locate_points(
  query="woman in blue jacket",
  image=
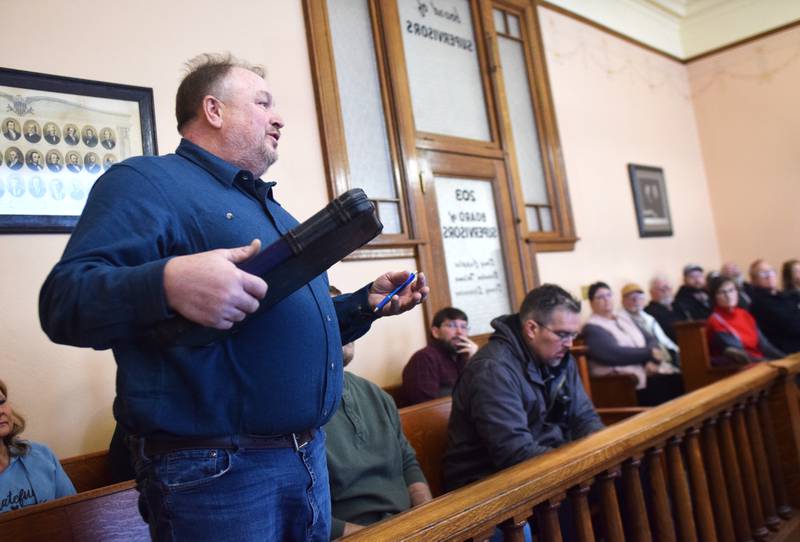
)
(29, 472)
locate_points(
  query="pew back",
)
(696, 358)
(101, 515)
(425, 427)
(721, 463)
(89, 471)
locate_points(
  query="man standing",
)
(692, 302)
(777, 314)
(432, 372)
(520, 396)
(373, 469)
(225, 437)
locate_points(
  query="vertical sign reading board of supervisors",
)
(473, 252)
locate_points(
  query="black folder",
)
(306, 251)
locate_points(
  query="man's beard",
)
(447, 345)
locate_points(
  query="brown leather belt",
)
(151, 446)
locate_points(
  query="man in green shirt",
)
(373, 469)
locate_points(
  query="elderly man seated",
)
(661, 307)
(777, 313)
(692, 301)
(372, 468)
(633, 303)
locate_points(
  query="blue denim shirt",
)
(281, 373)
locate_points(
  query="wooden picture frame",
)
(650, 201)
(57, 136)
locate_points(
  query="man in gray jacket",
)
(520, 396)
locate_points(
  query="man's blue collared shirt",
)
(282, 372)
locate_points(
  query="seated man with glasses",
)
(777, 314)
(521, 395)
(432, 372)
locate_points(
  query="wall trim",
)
(743, 41)
(607, 30)
(616, 34)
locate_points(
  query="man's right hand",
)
(208, 288)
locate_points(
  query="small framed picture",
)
(57, 136)
(650, 200)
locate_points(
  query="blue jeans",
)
(237, 495)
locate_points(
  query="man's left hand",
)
(404, 300)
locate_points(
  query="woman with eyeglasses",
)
(733, 336)
(616, 345)
(29, 472)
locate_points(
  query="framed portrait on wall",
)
(57, 136)
(650, 200)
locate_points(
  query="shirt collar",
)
(223, 171)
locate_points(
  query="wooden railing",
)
(721, 463)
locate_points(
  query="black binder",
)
(306, 251)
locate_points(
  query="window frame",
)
(405, 142)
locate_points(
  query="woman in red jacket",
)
(733, 336)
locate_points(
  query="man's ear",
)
(212, 111)
(529, 328)
(435, 332)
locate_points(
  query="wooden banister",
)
(594, 460)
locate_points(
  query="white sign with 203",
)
(473, 252)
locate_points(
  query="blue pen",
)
(389, 297)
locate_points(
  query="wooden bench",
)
(721, 463)
(609, 391)
(695, 356)
(425, 427)
(101, 515)
(89, 471)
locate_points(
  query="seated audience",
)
(791, 279)
(520, 396)
(372, 469)
(29, 472)
(732, 332)
(633, 303)
(432, 371)
(691, 302)
(616, 345)
(777, 313)
(660, 306)
(731, 271)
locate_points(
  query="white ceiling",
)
(687, 28)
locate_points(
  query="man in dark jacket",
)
(660, 306)
(692, 301)
(777, 314)
(520, 396)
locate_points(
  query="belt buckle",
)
(297, 445)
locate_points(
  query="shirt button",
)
(328, 316)
(325, 412)
(229, 215)
(331, 365)
(212, 453)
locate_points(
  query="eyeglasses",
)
(766, 273)
(726, 291)
(455, 325)
(563, 336)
